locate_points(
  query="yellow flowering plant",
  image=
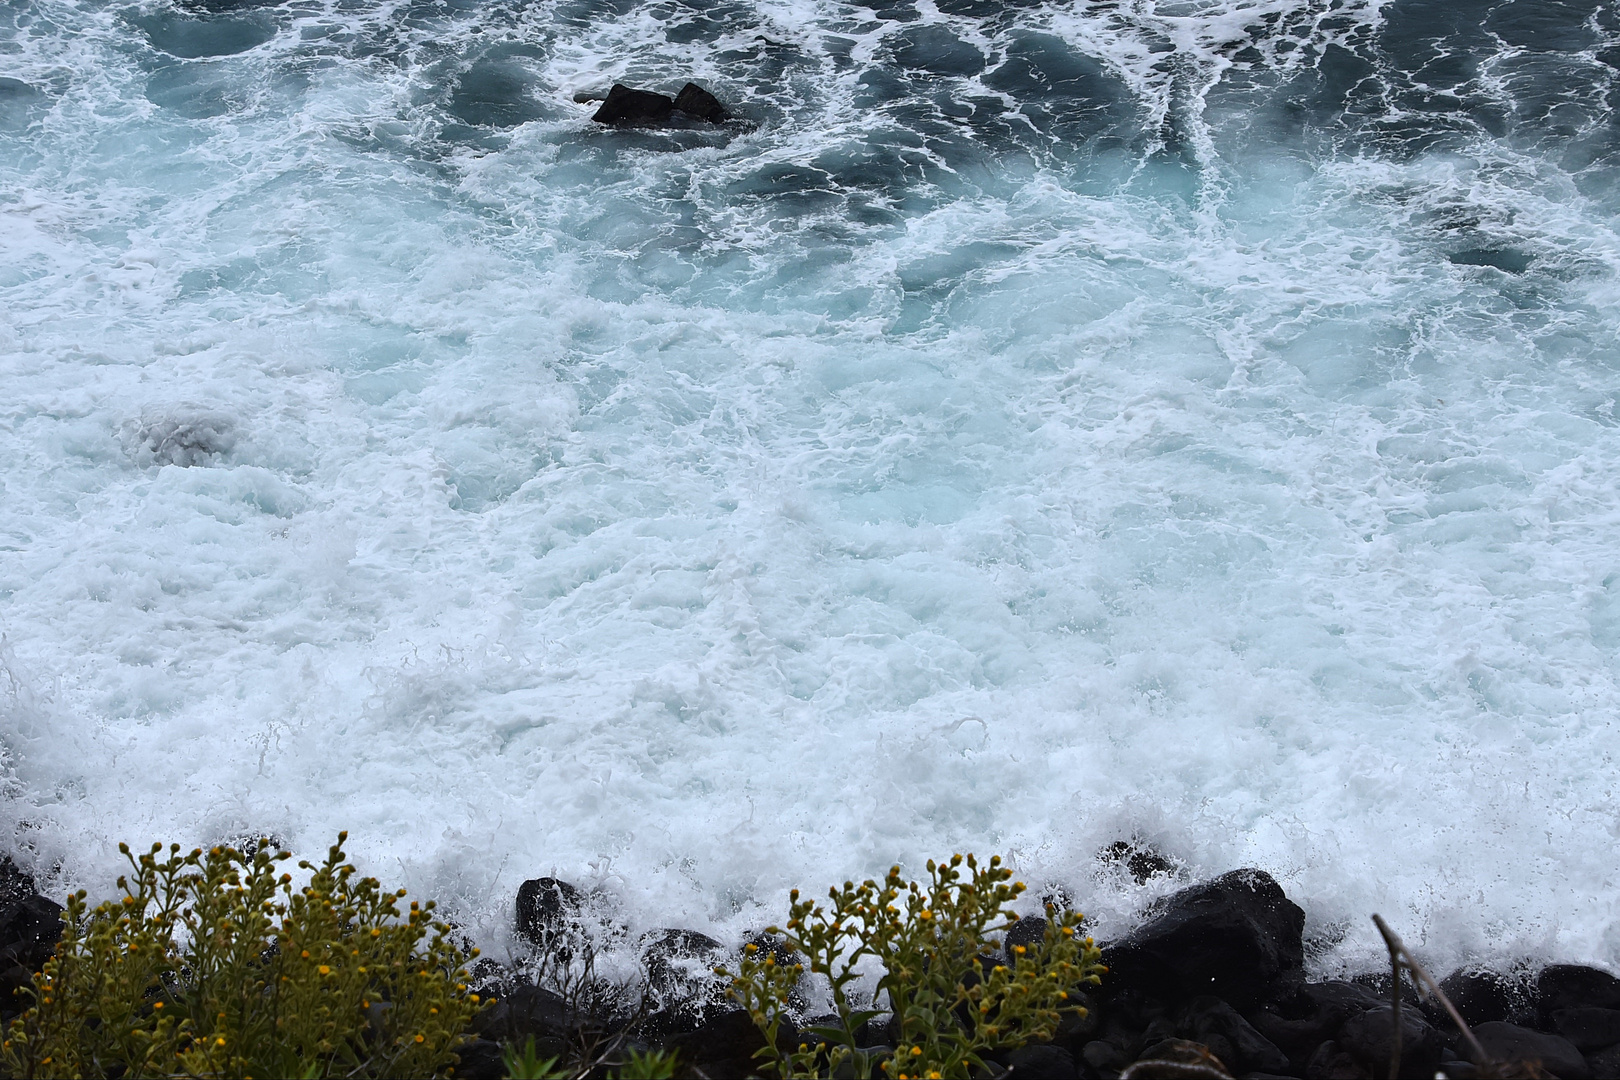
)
(950, 996)
(215, 965)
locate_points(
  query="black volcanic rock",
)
(30, 927)
(1571, 986)
(693, 100)
(1482, 995)
(625, 107)
(546, 908)
(1509, 1042)
(1368, 1038)
(1233, 937)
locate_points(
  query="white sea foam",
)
(546, 500)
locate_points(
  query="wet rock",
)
(15, 882)
(547, 909)
(1143, 863)
(695, 101)
(1233, 937)
(480, 1059)
(680, 976)
(1571, 986)
(1588, 1028)
(1176, 1052)
(1330, 1061)
(1044, 1061)
(1311, 1015)
(1605, 1062)
(625, 107)
(30, 927)
(725, 1044)
(1030, 930)
(1556, 1054)
(1215, 1024)
(628, 107)
(1482, 995)
(524, 1011)
(1104, 1057)
(1367, 1037)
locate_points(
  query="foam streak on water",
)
(1029, 425)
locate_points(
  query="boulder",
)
(1172, 1057)
(1330, 1062)
(1556, 1054)
(1313, 1014)
(547, 908)
(30, 927)
(1605, 1062)
(1030, 930)
(1043, 1061)
(1215, 1024)
(1482, 995)
(725, 1044)
(1233, 937)
(526, 1010)
(1367, 1037)
(628, 107)
(680, 976)
(625, 107)
(697, 102)
(1570, 986)
(1587, 1027)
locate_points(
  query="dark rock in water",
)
(1504, 259)
(1482, 995)
(15, 882)
(1587, 1027)
(1509, 1042)
(547, 908)
(30, 927)
(693, 100)
(1143, 863)
(1042, 1060)
(680, 970)
(585, 97)
(1368, 1038)
(1233, 937)
(1571, 986)
(625, 107)
(1214, 1023)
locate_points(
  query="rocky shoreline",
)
(1212, 983)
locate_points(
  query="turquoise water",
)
(1025, 426)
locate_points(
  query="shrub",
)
(214, 965)
(950, 998)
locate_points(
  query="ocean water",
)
(1027, 425)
